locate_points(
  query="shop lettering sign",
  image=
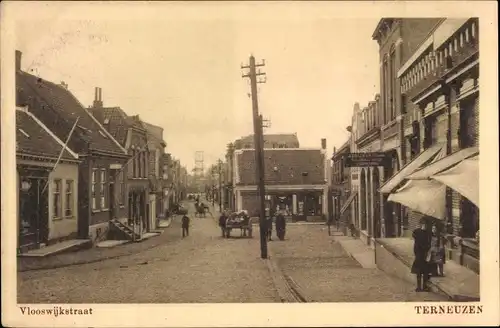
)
(366, 159)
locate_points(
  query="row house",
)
(398, 39)
(297, 181)
(440, 86)
(176, 180)
(341, 186)
(366, 137)
(47, 193)
(129, 132)
(157, 175)
(102, 157)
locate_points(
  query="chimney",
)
(323, 143)
(98, 98)
(19, 56)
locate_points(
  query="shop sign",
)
(366, 159)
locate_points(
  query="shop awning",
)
(425, 196)
(409, 168)
(463, 178)
(444, 164)
(348, 202)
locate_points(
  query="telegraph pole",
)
(220, 186)
(259, 149)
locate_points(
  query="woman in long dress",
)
(421, 250)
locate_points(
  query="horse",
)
(200, 210)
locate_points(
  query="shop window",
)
(57, 199)
(69, 203)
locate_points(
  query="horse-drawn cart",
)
(238, 221)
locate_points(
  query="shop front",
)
(298, 204)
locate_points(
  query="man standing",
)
(185, 225)
(269, 227)
(280, 226)
(222, 223)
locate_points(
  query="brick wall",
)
(250, 202)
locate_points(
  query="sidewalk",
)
(96, 254)
(357, 250)
(395, 256)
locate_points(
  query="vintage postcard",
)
(249, 164)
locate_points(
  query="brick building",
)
(132, 136)
(270, 141)
(102, 156)
(398, 39)
(341, 186)
(158, 185)
(440, 88)
(297, 181)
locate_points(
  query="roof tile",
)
(290, 165)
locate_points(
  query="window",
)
(68, 201)
(393, 85)
(134, 163)
(57, 206)
(103, 189)
(122, 188)
(94, 185)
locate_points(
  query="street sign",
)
(366, 159)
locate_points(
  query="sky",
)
(178, 65)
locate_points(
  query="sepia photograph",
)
(222, 153)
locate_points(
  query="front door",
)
(33, 212)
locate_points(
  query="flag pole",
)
(62, 151)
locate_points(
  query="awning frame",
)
(396, 180)
(439, 166)
(348, 202)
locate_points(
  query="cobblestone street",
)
(326, 273)
(203, 267)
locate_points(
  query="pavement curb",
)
(288, 290)
(96, 260)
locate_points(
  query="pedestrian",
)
(185, 225)
(280, 226)
(421, 250)
(222, 223)
(269, 228)
(329, 224)
(438, 253)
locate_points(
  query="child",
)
(438, 256)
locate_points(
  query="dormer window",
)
(106, 120)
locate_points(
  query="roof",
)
(155, 134)
(58, 109)
(34, 138)
(117, 122)
(289, 139)
(344, 149)
(290, 165)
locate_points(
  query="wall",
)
(414, 32)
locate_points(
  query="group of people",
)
(429, 251)
(280, 222)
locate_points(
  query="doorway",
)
(33, 212)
